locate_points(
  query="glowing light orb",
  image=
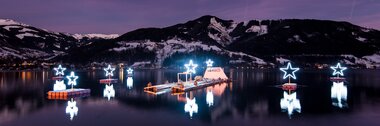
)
(209, 63)
(190, 106)
(191, 67)
(109, 71)
(210, 98)
(59, 85)
(72, 109)
(72, 79)
(129, 71)
(338, 70)
(290, 103)
(130, 82)
(339, 94)
(289, 71)
(109, 92)
(59, 71)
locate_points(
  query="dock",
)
(69, 93)
(108, 81)
(177, 88)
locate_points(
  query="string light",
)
(289, 71)
(59, 71)
(109, 71)
(209, 63)
(191, 67)
(338, 70)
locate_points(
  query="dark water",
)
(253, 98)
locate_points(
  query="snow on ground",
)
(10, 22)
(223, 37)
(374, 58)
(21, 36)
(358, 61)
(104, 36)
(361, 39)
(282, 60)
(260, 30)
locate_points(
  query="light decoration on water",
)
(209, 63)
(339, 94)
(109, 92)
(59, 85)
(210, 98)
(338, 70)
(190, 68)
(289, 71)
(59, 71)
(72, 79)
(130, 82)
(72, 109)
(129, 71)
(109, 71)
(190, 106)
(290, 103)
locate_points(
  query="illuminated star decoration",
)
(191, 67)
(59, 70)
(289, 71)
(209, 63)
(72, 109)
(338, 70)
(72, 79)
(191, 106)
(129, 71)
(109, 70)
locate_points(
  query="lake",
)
(252, 98)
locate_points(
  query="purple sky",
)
(120, 16)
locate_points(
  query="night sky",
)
(120, 16)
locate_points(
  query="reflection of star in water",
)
(72, 79)
(109, 92)
(210, 98)
(129, 71)
(191, 67)
(290, 103)
(339, 94)
(338, 70)
(209, 63)
(289, 71)
(109, 70)
(59, 70)
(130, 82)
(191, 106)
(72, 109)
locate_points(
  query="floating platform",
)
(58, 78)
(176, 88)
(67, 97)
(108, 81)
(337, 79)
(69, 93)
(289, 86)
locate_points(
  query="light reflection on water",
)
(250, 98)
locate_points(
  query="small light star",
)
(338, 70)
(109, 70)
(129, 71)
(191, 67)
(72, 79)
(289, 71)
(59, 70)
(209, 63)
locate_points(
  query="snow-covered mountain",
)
(249, 43)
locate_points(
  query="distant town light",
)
(191, 67)
(59, 71)
(338, 70)
(289, 71)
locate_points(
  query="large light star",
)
(72, 78)
(129, 71)
(72, 109)
(109, 71)
(59, 70)
(209, 63)
(191, 67)
(338, 70)
(289, 71)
